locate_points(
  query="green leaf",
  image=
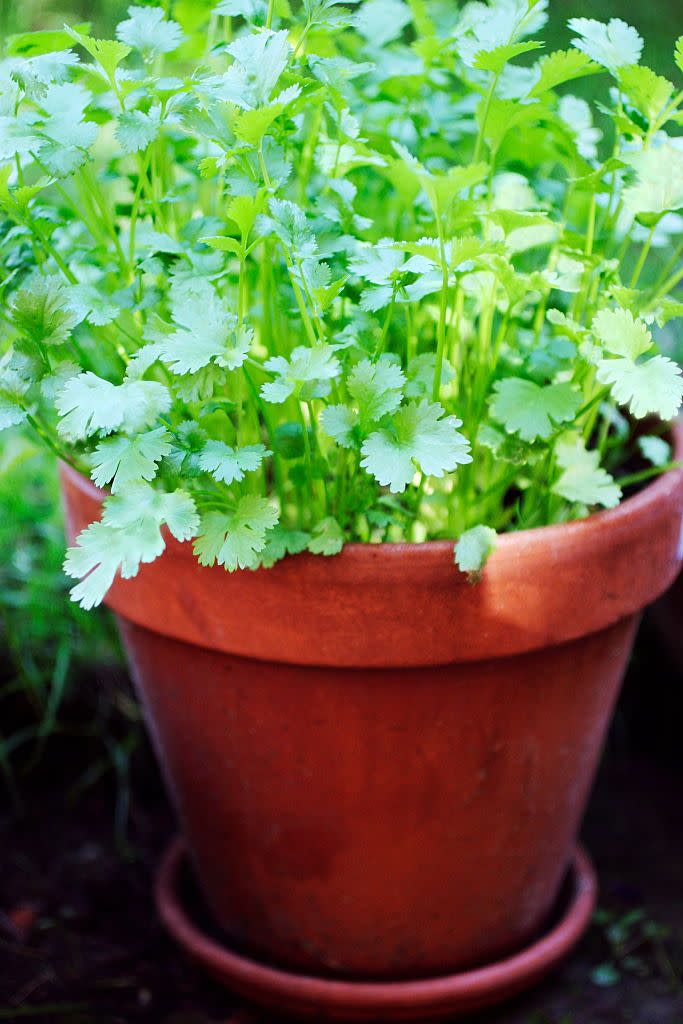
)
(106, 52)
(560, 67)
(32, 44)
(496, 59)
(206, 332)
(280, 543)
(12, 396)
(234, 540)
(582, 479)
(654, 387)
(306, 374)
(382, 21)
(621, 333)
(122, 461)
(419, 436)
(649, 92)
(659, 186)
(41, 312)
(244, 210)
(260, 59)
(339, 422)
(251, 126)
(136, 130)
(327, 538)
(228, 464)
(88, 303)
(678, 55)
(613, 45)
(376, 387)
(128, 534)
(148, 30)
(474, 549)
(655, 449)
(533, 411)
(88, 405)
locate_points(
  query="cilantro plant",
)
(281, 277)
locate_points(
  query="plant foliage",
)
(284, 277)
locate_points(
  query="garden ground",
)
(80, 942)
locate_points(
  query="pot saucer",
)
(305, 996)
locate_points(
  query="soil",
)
(80, 942)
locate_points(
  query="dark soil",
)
(80, 942)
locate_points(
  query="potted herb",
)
(366, 282)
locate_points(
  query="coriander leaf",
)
(419, 436)
(486, 27)
(228, 464)
(128, 534)
(474, 549)
(613, 44)
(125, 460)
(280, 543)
(496, 59)
(659, 181)
(651, 387)
(339, 422)
(12, 391)
(420, 373)
(41, 312)
(376, 387)
(327, 539)
(655, 449)
(381, 21)
(679, 53)
(88, 303)
(107, 52)
(147, 29)
(205, 332)
(88, 405)
(533, 411)
(621, 333)
(235, 539)
(649, 92)
(135, 129)
(560, 67)
(260, 59)
(583, 480)
(306, 374)
(68, 134)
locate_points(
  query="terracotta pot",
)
(379, 768)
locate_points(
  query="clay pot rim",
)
(428, 998)
(508, 545)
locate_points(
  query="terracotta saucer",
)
(310, 997)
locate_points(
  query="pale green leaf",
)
(474, 549)
(654, 387)
(235, 539)
(531, 410)
(622, 334)
(121, 461)
(583, 480)
(88, 405)
(655, 449)
(613, 45)
(560, 67)
(148, 30)
(227, 464)
(327, 538)
(419, 437)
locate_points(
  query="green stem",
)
(643, 257)
(648, 474)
